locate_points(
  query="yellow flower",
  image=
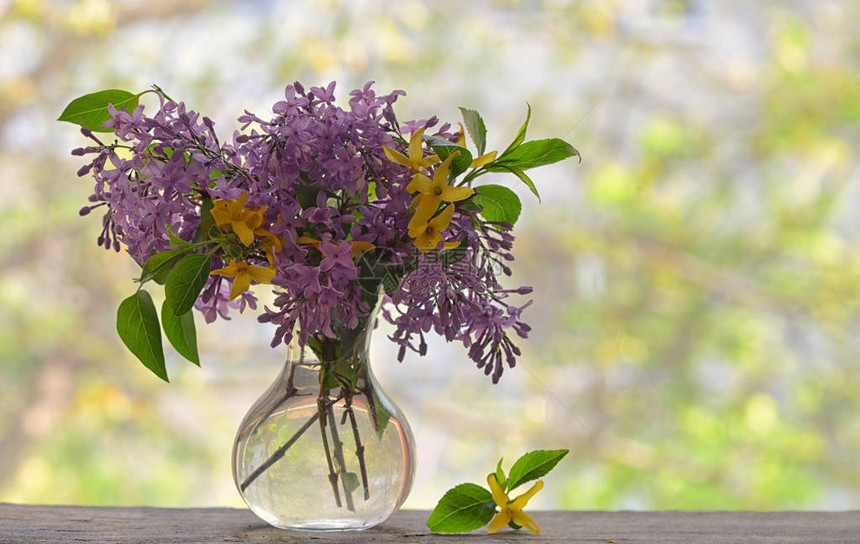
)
(242, 274)
(480, 161)
(270, 243)
(433, 191)
(416, 159)
(426, 230)
(359, 247)
(512, 510)
(242, 220)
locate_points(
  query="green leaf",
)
(156, 267)
(137, 325)
(533, 154)
(381, 414)
(234, 251)
(344, 373)
(306, 195)
(181, 333)
(464, 508)
(468, 206)
(499, 203)
(350, 481)
(533, 465)
(315, 346)
(185, 282)
(500, 475)
(521, 135)
(91, 110)
(207, 222)
(525, 179)
(176, 240)
(329, 381)
(476, 128)
(443, 148)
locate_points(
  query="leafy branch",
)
(468, 506)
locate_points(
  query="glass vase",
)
(324, 448)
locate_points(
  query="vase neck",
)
(325, 363)
(350, 342)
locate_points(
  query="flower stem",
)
(359, 447)
(322, 413)
(339, 459)
(275, 457)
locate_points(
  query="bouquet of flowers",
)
(334, 207)
(342, 211)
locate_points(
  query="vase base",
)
(316, 454)
(324, 525)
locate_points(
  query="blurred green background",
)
(697, 277)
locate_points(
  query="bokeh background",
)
(697, 276)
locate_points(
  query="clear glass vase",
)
(324, 448)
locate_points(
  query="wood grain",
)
(75, 524)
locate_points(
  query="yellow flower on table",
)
(233, 213)
(433, 191)
(242, 274)
(512, 510)
(426, 230)
(416, 159)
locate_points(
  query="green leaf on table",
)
(500, 475)
(157, 267)
(91, 110)
(185, 281)
(499, 203)
(533, 154)
(443, 148)
(181, 333)
(463, 508)
(521, 134)
(533, 465)
(476, 128)
(137, 325)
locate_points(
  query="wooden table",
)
(75, 524)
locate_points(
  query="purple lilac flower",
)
(321, 174)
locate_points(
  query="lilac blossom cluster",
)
(326, 213)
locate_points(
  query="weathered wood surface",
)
(74, 524)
